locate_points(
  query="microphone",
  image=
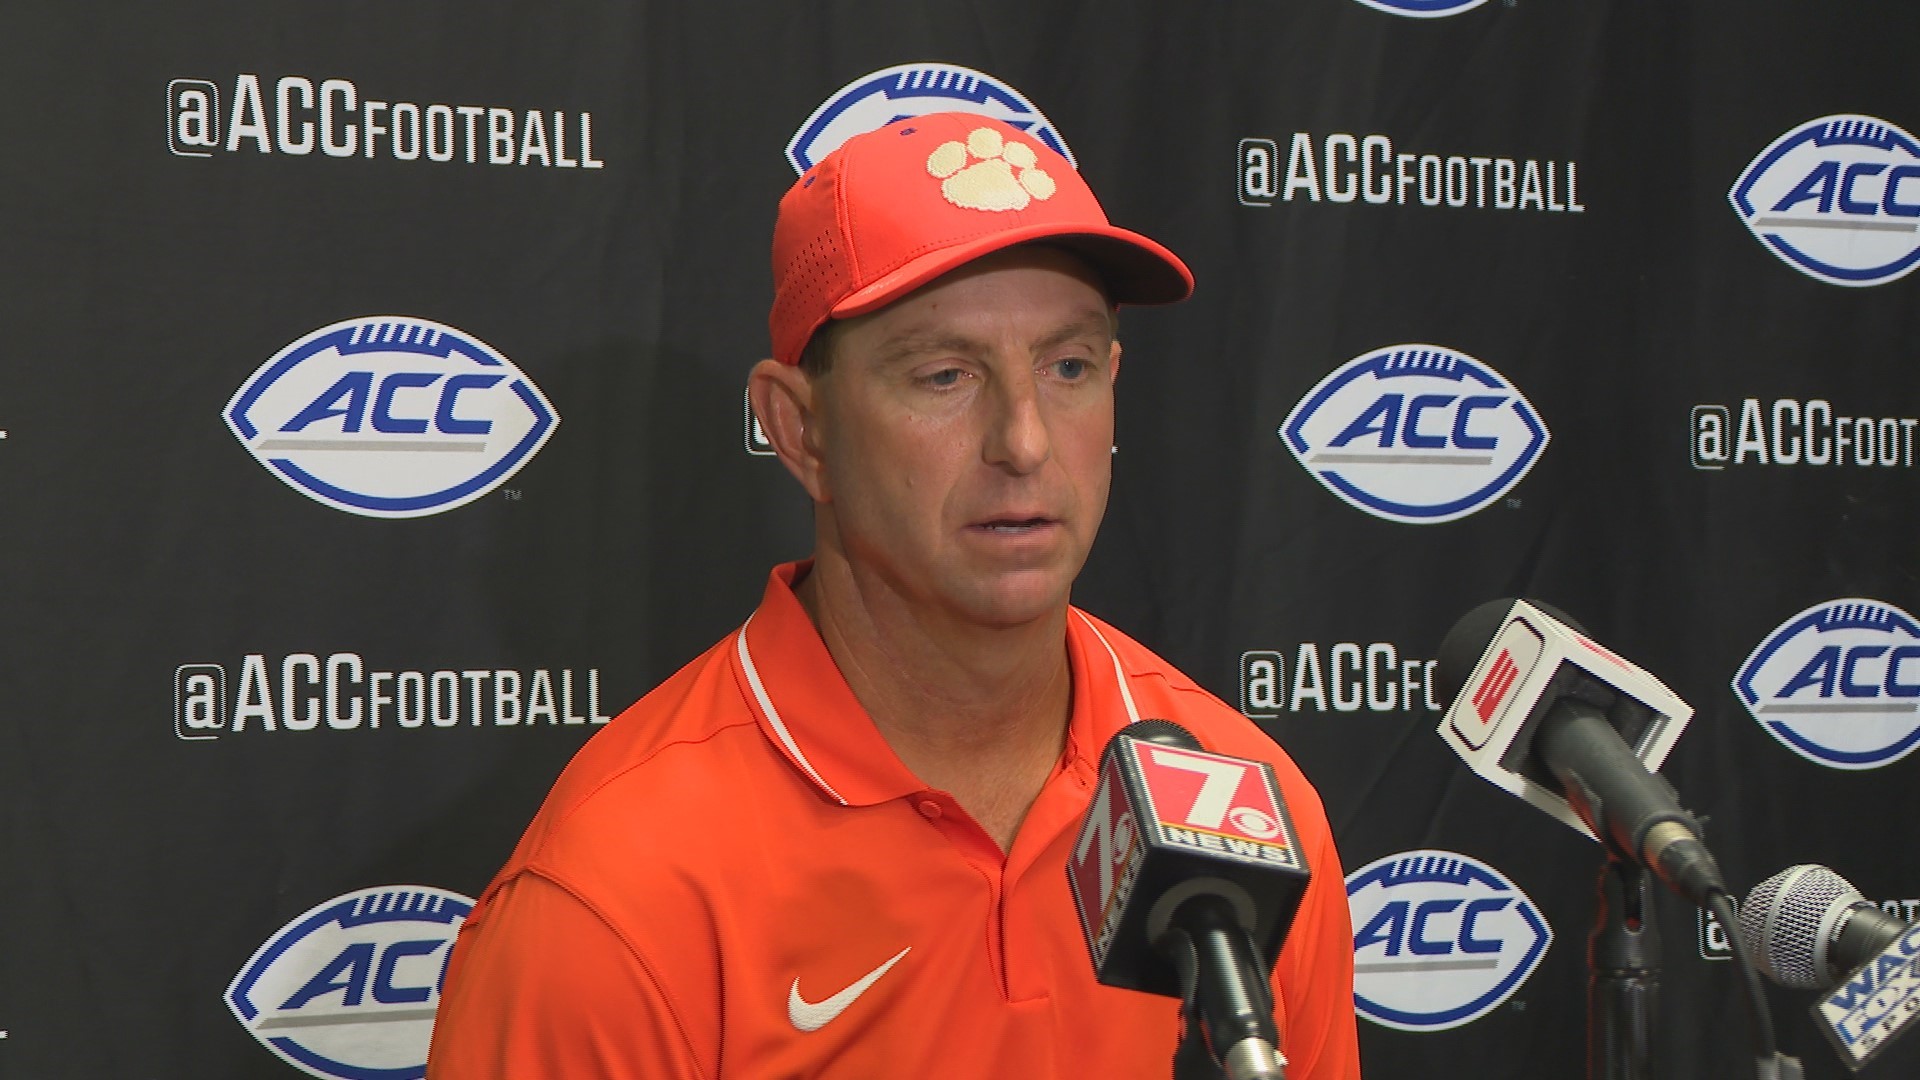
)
(1808, 927)
(1540, 709)
(1812, 930)
(1186, 874)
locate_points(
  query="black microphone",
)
(1561, 721)
(1186, 874)
(1808, 927)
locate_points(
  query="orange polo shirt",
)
(737, 878)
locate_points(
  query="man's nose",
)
(1017, 436)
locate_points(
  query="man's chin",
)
(1011, 600)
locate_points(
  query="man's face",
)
(965, 435)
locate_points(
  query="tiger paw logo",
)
(988, 172)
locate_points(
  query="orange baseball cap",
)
(896, 207)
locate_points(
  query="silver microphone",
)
(1807, 927)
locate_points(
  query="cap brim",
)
(1135, 269)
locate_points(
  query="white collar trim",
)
(773, 715)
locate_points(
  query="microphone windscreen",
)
(1467, 642)
(1164, 732)
(1788, 922)
(1463, 646)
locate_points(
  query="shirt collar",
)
(808, 712)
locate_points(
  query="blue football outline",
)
(1450, 868)
(439, 341)
(1840, 129)
(1462, 367)
(1423, 9)
(1849, 613)
(393, 903)
(959, 88)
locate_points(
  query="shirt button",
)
(930, 809)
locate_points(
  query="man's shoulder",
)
(1135, 659)
(1153, 680)
(682, 743)
(1162, 690)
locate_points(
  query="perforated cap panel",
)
(813, 280)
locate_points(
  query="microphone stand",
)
(1227, 998)
(1623, 988)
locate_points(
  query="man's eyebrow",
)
(909, 344)
(913, 343)
(1089, 323)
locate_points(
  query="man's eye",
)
(943, 378)
(1071, 367)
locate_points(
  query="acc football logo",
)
(1415, 433)
(1839, 684)
(1838, 198)
(347, 991)
(391, 416)
(1442, 939)
(876, 100)
(1423, 9)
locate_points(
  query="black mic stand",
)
(1623, 986)
(1226, 996)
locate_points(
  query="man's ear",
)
(785, 400)
(1113, 363)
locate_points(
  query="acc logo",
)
(1443, 939)
(876, 100)
(1839, 684)
(347, 991)
(391, 416)
(1415, 433)
(1838, 198)
(1423, 9)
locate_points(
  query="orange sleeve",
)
(540, 986)
(1313, 978)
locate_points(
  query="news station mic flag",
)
(1187, 873)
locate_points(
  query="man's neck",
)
(980, 713)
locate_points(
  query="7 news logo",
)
(1106, 861)
(1217, 803)
(1227, 811)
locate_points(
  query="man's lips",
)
(1014, 524)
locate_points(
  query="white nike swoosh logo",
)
(811, 1016)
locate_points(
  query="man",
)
(834, 845)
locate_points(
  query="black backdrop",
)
(166, 235)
